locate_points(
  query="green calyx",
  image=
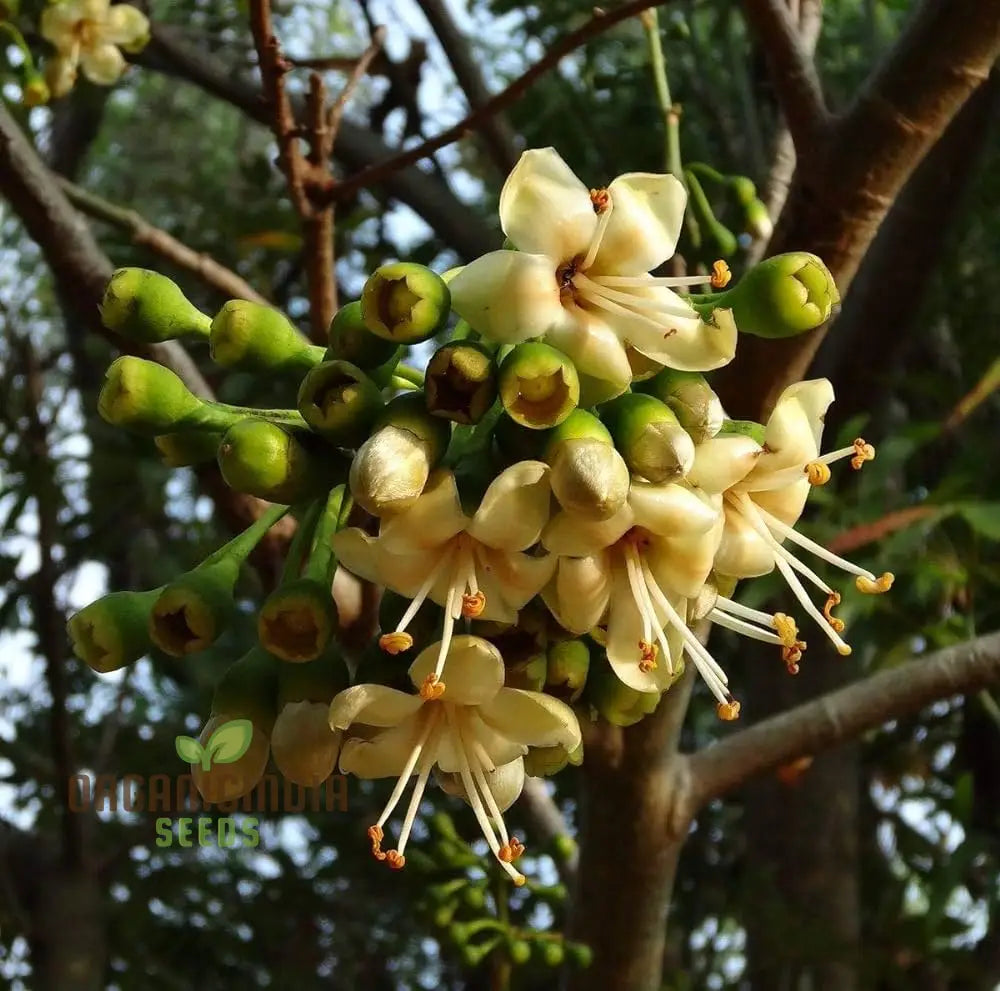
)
(745, 428)
(187, 447)
(191, 612)
(539, 386)
(692, 399)
(255, 337)
(113, 632)
(461, 382)
(614, 700)
(249, 690)
(146, 306)
(339, 402)
(405, 303)
(297, 620)
(350, 340)
(649, 437)
(781, 297)
(263, 459)
(314, 681)
(568, 662)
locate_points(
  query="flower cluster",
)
(550, 508)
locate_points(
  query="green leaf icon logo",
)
(189, 749)
(230, 741)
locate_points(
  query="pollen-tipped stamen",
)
(832, 601)
(395, 858)
(862, 452)
(603, 207)
(859, 452)
(818, 473)
(874, 586)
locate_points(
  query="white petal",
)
(672, 509)
(433, 519)
(570, 535)
(506, 783)
(545, 209)
(356, 552)
(385, 755)
(742, 553)
(722, 461)
(372, 705)
(473, 671)
(681, 564)
(594, 347)
(515, 507)
(579, 594)
(126, 27)
(533, 718)
(645, 223)
(625, 631)
(684, 342)
(509, 296)
(786, 503)
(103, 64)
(795, 427)
(519, 577)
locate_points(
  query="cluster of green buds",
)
(526, 456)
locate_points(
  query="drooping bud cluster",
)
(549, 508)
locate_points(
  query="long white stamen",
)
(469, 784)
(641, 281)
(599, 232)
(810, 545)
(797, 473)
(449, 629)
(606, 304)
(591, 287)
(477, 770)
(640, 595)
(744, 612)
(470, 572)
(411, 763)
(741, 627)
(426, 764)
(424, 591)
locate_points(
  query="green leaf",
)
(983, 517)
(188, 749)
(230, 741)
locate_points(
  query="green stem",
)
(302, 539)
(398, 382)
(18, 39)
(322, 561)
(221, 416)
(413, 375)
(238, 549)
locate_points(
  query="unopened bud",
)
(543, 762)
(649, 437)
(146, 306)
(304, 747)
(350, 340)
(694, 402)
(588, 477)
(297, 620)
(390, 469)
(187, 447)
(145, 397)
(339, 402)
(113, 632)
(405, 303)
(551, 952)
(615, 701)
(255, 337)
(782, 296)
(539, 386)
(35, 91)
(227, 781)
(461, 382)
(568, 664)
(262, 459)
(528, 674)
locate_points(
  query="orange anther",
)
(395, 860)
(432, 689)
(862, 452)
(395, 643)
(376, 836)
(473, 605)
(721, 275)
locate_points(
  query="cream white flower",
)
(89, 34)
(478, 731)
(763, 503)
(471, 566)
(580, 277)
(639, 572)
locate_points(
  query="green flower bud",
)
(350, 340)
(297, 620)
(694, 402)
(255, 337)
(144, 396)
(192, 611)
(146, 306)
(249, 690)
(187, 447)
(405, 303)
(564, 848)
(551, 952)
(263, 459)
(113, 632)
(543, 762)
(461, 382)
(390, 469)
(227, 782)
(643, 367)
(588, 477)
(568, 662)
(520, 952)
(339, 402)
(649, 437)
(615, 701)
(539, 386)
(528, 675)
(580, 955)
(745, 428)
(35, 91)
(474, 897)
(758, 220)
(781, 297)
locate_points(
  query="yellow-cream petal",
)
(672, 508)
(579, 593)
(722, 461)
(372, 705)
(432, 520)
(515, 507)
(473, 671)
(569, 535)
(383, 756)
(102, 64)
(532, 718)
(127, 27)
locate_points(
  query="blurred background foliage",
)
(87, 507)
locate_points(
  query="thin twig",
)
(360, 70)
(601, 21)
(145, 234)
